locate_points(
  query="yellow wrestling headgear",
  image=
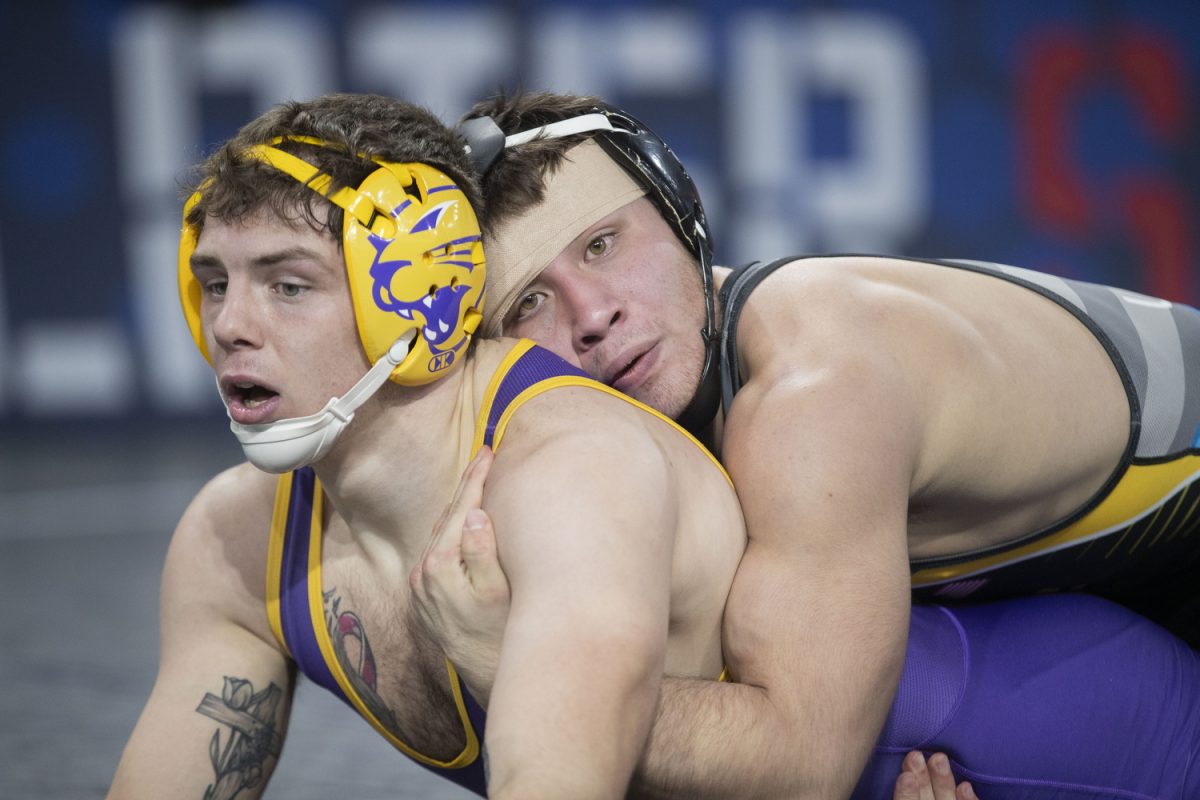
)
(413, 255)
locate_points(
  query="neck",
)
(396, 465)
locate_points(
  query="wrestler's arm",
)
(817, 617)
(217, 714)
(470, 597)
(584, 511)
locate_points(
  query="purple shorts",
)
(1060, 696)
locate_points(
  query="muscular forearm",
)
(817, 687)
(721, 740)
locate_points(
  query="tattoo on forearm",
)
(354, 653)
(253, 736)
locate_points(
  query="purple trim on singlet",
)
(300, 636)
(473, 776)
(295, 619)
(294, 616)
(536, 364)
(478, 718)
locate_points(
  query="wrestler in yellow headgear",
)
(415, 264)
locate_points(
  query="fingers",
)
(907, 787)
(481, 557)
(942, 778)
(443, 554)
(469, 493)
(929, 780)
(916, 766)
(447, 532)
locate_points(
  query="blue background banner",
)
(1058, 135)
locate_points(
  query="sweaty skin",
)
(462, 560)
(887, 356)
(629, 596)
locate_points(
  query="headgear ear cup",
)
(428, 275)
(189, 287)
(413, 256)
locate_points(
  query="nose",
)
(233, 321)
(595, 311)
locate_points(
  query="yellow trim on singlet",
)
(1124, 506)
(283, 496)
(316, 535)
(553, 383)
(489, 399)
(316, 608)
(493, 387)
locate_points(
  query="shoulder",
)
(834, 338)
(583, 434)
(830, 312)
(217, 558)
(580, 476)
(821, 285)
(583, 416)
(591, 430)
(232, 510)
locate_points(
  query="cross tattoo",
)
(253, 738)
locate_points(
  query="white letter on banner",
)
(610, 53)
(786, 200)
(443, 60)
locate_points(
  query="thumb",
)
(480, 553)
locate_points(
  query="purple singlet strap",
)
(475, 712)
(535, 365)
(294, 615)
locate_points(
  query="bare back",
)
(1045, 429)
(1014, 434)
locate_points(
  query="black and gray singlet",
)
(1138, 539)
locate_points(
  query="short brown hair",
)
(515, 182)
(236, 186)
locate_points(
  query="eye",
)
(527, 304)
(599, 245)
(290, 289)
(215, 288)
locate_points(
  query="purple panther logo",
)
(439, 310)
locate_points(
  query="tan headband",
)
(586, 187)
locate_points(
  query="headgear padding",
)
(586, 187)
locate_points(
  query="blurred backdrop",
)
(1054, 134)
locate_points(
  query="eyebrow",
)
(298, 253)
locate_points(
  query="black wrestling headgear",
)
(655, 167)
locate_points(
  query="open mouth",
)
(249, 402)
(250, 395)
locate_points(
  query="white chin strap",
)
(289, 444)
